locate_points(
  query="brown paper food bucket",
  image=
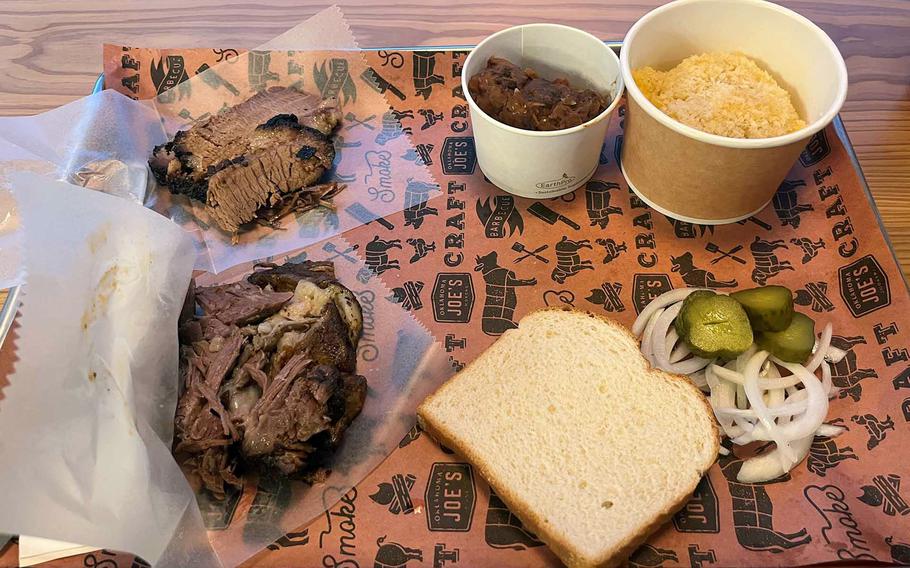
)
(703, 178)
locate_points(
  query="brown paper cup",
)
(703, 178)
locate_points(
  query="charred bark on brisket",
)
(257, 160)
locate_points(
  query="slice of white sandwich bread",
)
(591, 448)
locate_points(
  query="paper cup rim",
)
(620, 86)
(725, 141)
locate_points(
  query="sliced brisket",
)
(252, 157)
(284, 158)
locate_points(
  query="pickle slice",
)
(770, 308)
(793, 344)
(713, 326)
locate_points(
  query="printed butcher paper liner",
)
(470, 261)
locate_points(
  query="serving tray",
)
(461, 246)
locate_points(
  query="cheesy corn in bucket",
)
(722, 97)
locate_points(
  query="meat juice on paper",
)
(603, 250)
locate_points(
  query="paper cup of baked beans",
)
(540, 97)
(723, 95)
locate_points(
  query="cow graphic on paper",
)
(568, 260)
(767, 265)
(597, 202)
(416, 195)
(846, 373)
(787, 205)
(499, 305)
(824, 454)
(697, 277)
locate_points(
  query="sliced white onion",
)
(830, 431)
(827, 384)
(788, 409)
(670, 340)
(698, 378)
(740, 362)
(804, 424)
(821, 349)
(754, 395)
(835, 355)
(659, 334)
(680, 352)
(661, 301)
(722, 396)
(770, 465)
(742, 401)
(753, 392)
(646, 346)
(659, 345)
(766, 383)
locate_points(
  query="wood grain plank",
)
(50, 53)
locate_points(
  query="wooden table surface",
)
(50, 53)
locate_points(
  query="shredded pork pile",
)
(269, 375)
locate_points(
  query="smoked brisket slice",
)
(253, 155)
(285, 158)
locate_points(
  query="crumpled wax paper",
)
(101, 141)
(87, 416)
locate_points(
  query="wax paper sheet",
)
(87, 430)
(374, 157)
(603, 250)
(100, 141)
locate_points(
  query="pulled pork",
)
(268, 370)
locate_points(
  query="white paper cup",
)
(544, 164)
(704, 178)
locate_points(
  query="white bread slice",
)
(589, 447)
